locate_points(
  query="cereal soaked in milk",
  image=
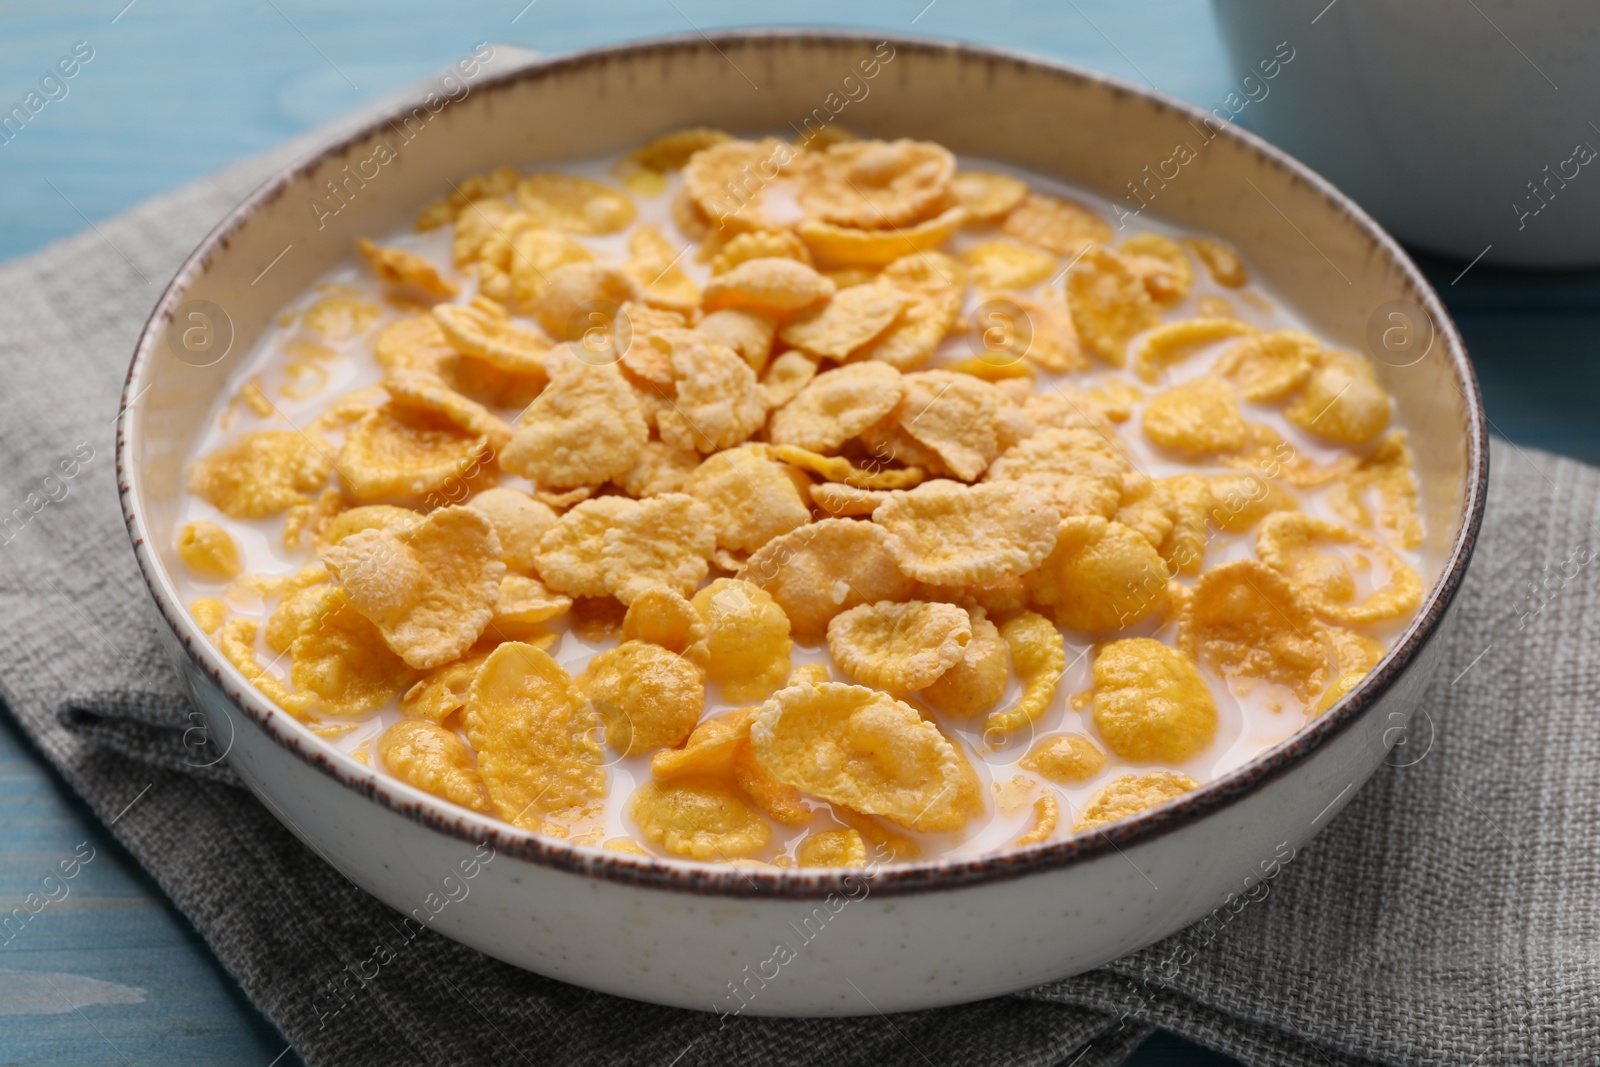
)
(807, 504)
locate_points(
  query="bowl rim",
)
(738, 880)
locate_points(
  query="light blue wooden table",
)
(178, 88)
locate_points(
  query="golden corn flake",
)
(394, 451)
(1248, 621)
(442, 691)
(840, 469)
(760, 244)
(236, 642)
(524, 601)
(1056, 225)
(833, 848)
(868, 184)
(530, 262)
(789, 373)
(915, 336)
(519, 522)
(824, 568)
(772, 286)
(1198, 418)
(745, 332)
(421, 391)
(582, 298)
(946, 533)
(483, 330)
(1050, 342)
(1046, 817)
(899, 646)
(698, 818)
(583, 429)
(724, 183)
(477, 223)
(1038, 655)
(1269, 455)
(574, 204)
(1270, 366)
(1131, 794)
(1003, 264)
(845, 246)
(777, 800)
(493, 183)
(1173, 342)
(710, 749)
(1150, 703)
(1390, 470)
(1100, 576)
(718, 402)
(262, 473)
(1066, 759)
(841, 500)
(752, 498)
(655, 264)
(746, 645)
(987, 197)
(865, 750)
(850, 319)
(836, 406)
(431, 591)
(663, 617)
(647, 696)
(340, 659)
(1109, 304)
(407, 270)
(1075, 471)
(435, 760)
(672, 151)
(1163, 266)
(658, 468)
(665, 540)
(339, 318)
(570, 552)
(965, 422)
(209, 551)
(535, 736)
(297, 612)
(1220, 261)
(975, 682)
(1239, 501)
(1147, 507)
(209, 613)
(1285, 541)
(1342, 401)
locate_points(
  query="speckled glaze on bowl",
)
(913, 936)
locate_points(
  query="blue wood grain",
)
(178, 89)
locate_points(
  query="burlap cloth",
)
(1450, 915)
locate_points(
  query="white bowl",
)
(914, 936)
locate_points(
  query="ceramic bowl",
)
(914, 936)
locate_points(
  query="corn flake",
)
(840, 469)
(709, 751)
(1131, 794)
(534, 735)
(664, 540)
(723, 183)
(1147, 507)
(425, 392)
(845, 246)
(871, 184)
(1150, 703)
(1173, 342)
(833, 848)
(407, 270)
(849, 320)
(863, 749)
(746, 639)
(431, 591)
(976, 681)
(745, 332)
(1390, 471)
(1201, 417)
(899, 646)
(1003, 264)
(1342, 401)
(1248, 621)
(1039, 655)
(987, 197)
(946, 533)
(1100, 576)
(1064, 227)
(967, 423)
(698, 818)
(841, 501)
(1162, 265)
(648, 697)
(1066, 759)
(1284, 542)
(573, 204)
(209, 551)
(759, 244)
(1220, 261)
(583, 429)
(569, 559)
(395, 451)
(262, 473)
(209, 613)
(483, 330)
(1239, 501)
(836, 406)
(789, 373)
(442, 691)
(663, 617)
(340, 659)
(1270, 366)
(435, 760)
(340, 318)
(1109, 304)
(493, 183)
(1076, 471)
(659, 468)
(752, 498)
(824, 568)
(718, 401)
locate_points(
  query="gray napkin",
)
(1447, 916)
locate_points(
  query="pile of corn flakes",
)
(850, 447)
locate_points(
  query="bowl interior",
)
(1319, 255)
